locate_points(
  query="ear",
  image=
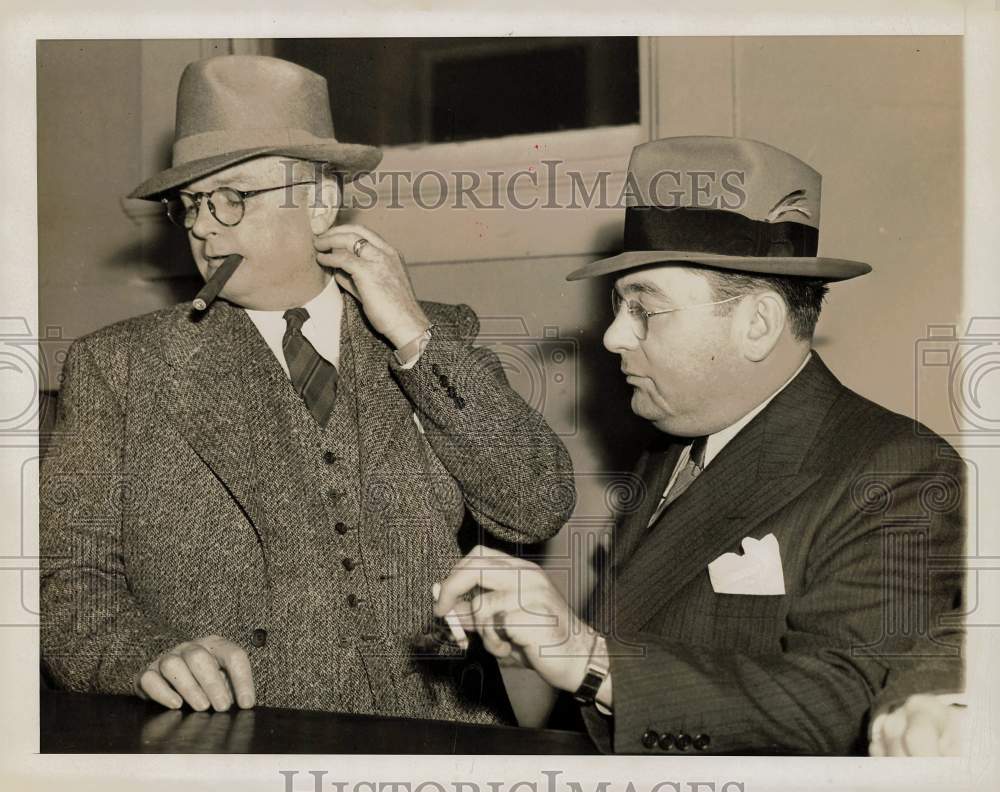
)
(325, 205)
(766, 324)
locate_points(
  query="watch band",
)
(597, 672)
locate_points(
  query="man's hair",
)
(802, 296)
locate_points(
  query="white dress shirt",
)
(321, 329)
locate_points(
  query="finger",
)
(151, 685)
(359, 231)
(875, 731)
(892, 733)
(173, 668)
(339, 259)
(876, 747)
(206, 670)
(337, 239)
(347, 284)
(484, 567)
(234, 661)
(921, 735)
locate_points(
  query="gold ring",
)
(359, 246)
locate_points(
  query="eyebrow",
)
(644, 287)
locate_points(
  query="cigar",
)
(215, 284)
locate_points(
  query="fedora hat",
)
(722, 202)
(232, 108)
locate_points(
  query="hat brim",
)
(353, 159)
(828, 269)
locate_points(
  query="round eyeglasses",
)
(639, 316)
(227, 204)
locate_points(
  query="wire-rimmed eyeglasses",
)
(639, 316)
(227, 204)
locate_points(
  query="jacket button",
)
(259, 637)
(348, 564)
(702, 741)
(352, 600)
(329, 457)
(340, 528)
(666, 742)
(683, 741)
(649, 738)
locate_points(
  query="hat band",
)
(715, 231)
(226, 141)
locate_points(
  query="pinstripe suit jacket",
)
(182, 498)
(865, 505)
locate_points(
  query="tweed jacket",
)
(189, 493)
(866, 507)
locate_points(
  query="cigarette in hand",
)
(218, 280)
(457, 631)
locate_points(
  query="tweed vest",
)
(349, 583)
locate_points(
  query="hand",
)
(377, 277)
(207, 672)
(923, 726)
(519, 615)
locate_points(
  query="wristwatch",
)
(598, 669)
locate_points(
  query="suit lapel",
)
(230, 399)
(382, 412)
(759, 471)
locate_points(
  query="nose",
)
(205, 224)
(619, 337)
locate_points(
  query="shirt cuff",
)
(408, 354)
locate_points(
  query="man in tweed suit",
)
(249, 505)
(793, 544)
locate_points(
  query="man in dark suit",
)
(249, 504)
(777, 568)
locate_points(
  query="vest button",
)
(329, 457)
(340, 528)
(443, 379)
(460, 402)
(348, 564)
(258, 637)
(435, 369)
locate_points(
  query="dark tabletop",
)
(87, 723)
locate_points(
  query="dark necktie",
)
(685, 477)
(313, 377)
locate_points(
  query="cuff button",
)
(649, 738)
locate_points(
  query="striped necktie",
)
(313, 377)
(685, 477)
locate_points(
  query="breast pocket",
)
(751, 623)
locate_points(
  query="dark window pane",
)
(432, 90)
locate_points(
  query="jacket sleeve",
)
(515, 473)
(866, 594)
(94, 635)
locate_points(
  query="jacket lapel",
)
(383, 413)
(230, 399)
(759, 471)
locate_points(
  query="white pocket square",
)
(757, 571)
